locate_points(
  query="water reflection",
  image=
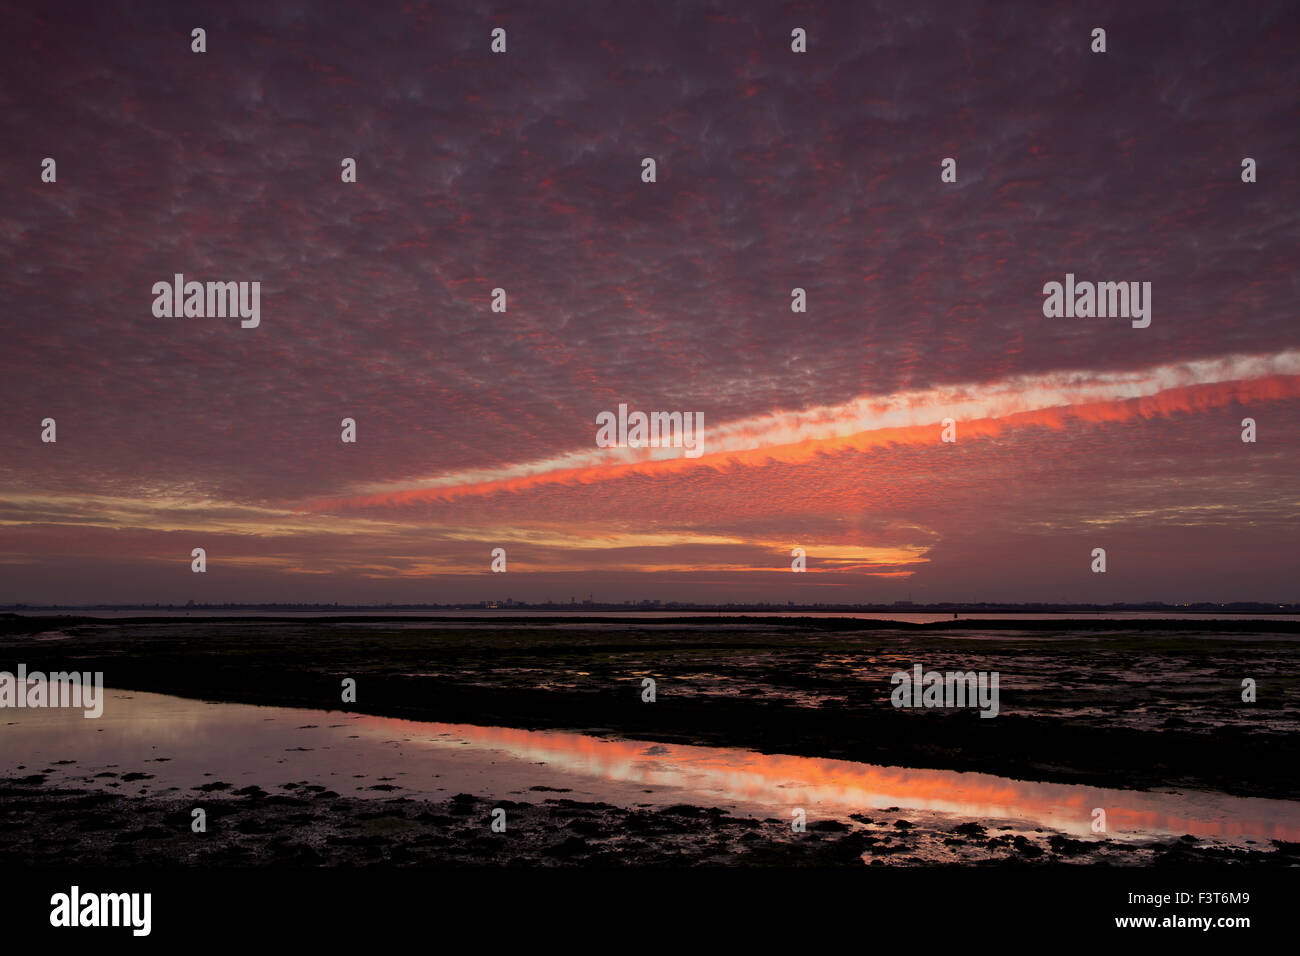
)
(775, 783)
(184, 743)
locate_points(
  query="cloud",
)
(776, 170)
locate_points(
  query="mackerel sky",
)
(775, 170)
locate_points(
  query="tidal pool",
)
(183, 745)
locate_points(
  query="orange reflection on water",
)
(777, 782)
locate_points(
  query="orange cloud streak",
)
(1183, 399)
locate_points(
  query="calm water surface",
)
(184, 744)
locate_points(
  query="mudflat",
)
(1138, 704)
(301, 825)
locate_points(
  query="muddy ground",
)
(1129, 704)
(300, 824)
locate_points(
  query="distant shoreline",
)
(586, 608)
(29, 621)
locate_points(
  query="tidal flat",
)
(749, 718)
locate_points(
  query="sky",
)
(774, 170)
